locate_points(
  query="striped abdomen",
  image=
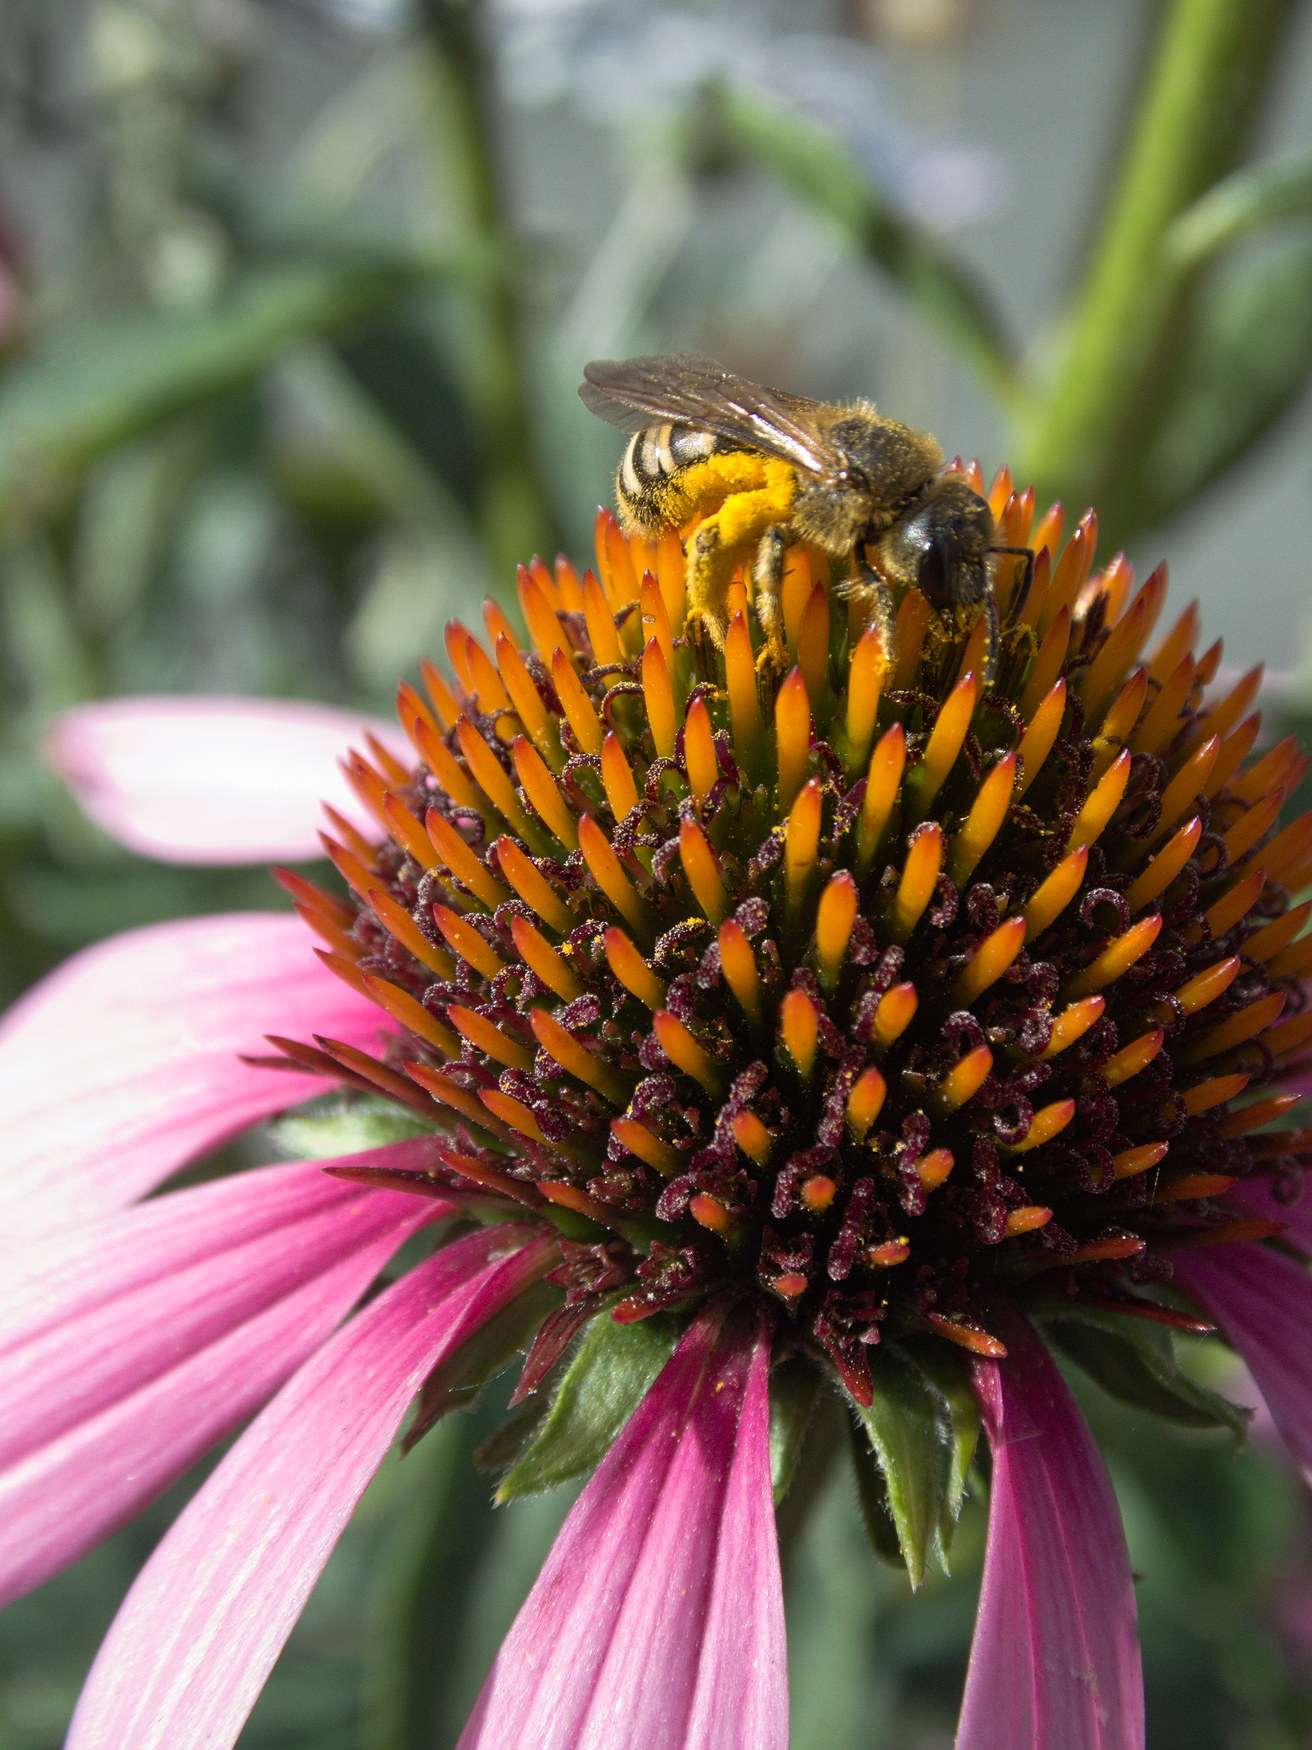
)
(653, 458)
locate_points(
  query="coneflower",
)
(844, 1026)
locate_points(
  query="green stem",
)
(1212, 66)
(514, 515)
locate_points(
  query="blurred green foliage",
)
(287, 360)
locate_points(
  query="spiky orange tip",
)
(849, 986)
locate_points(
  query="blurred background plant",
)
(294, 295)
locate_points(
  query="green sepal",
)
(345, 1125)
(602, 1386)
(904, 1424)
(872, 1496)
(500, 1451)
(1134, 1360)
(794, 1388)
(456, 1382)
(948, 1373)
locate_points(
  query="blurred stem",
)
(1211, 71)
(515, 518)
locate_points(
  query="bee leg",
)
(990, 674)
(709, 569)
(767, 587)
(874, 597)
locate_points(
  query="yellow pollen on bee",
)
(965, 1079)
(865, 683)
(866, 1101)
(538, 954)
(1101, 803)
(920, 873)
(752, 1137)
(699, 755)
(533, 887)
(894, 1014)
(833, 925)
(467, 942)
(738, 964)
(1169, 862)
(1054, 894)
(799, 1028)
(945, 742)
(883, 783)
(1072, 1024)
(702, 867)
(982, 824)
(989, 961)
(1038, 740)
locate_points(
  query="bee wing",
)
(636, 393)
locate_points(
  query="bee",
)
(762, 469)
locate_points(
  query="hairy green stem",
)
(514, 516)
(1212, 66)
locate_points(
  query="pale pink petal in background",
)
(128, 1348)
(198, 1633)
(657, 1620)
(1263, 1304)
(1055, 1660)
(212, 780)
(122, 1065)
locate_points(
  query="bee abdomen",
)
(659, 452)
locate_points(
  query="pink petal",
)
(1263, 1303)
(122, 1065)
(129, 1348)
(211, 780)
(1055, 1661)
(204, 1622)
(1253, 1197)
(657, 1620)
